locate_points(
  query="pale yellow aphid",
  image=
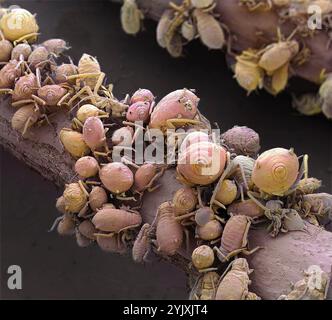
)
(280, 79)
(131, 17)
(19, 25)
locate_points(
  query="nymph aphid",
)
(25, 117)
(205, 287)
(203, 258)
(8, 74)
(227, 192)
(111, 244)
(145, 176)
(139, 111)
(142, 95)
(6, 48)
(242, 141)
(26, 29)
(87, 229)
(21, 50)
(131, 17)
(86, 111)
(116, 220)
(97, 198)
(25, 87)
(184, 200)
(38, 57)
(75, 197)
(247, 71)
(74, 143)
(178, 108)
(247, 208)
(94, 133)
(116, 177)
(63, 71)
(55, 46)
(142, 244)
(51, 96)
(163, 27)
(201, 163)
(66, 226)
(276, 171)
(212, 230)
(169, 233)
(209, 29)
(235, 284)
(234, 239)
(308, 104)
(203, 215)
(86, 167)
(188, 30)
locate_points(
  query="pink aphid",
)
(139, 111)
(94, 133)
(142, 95)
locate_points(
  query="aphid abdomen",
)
(232, 237)
(130, 17)
(8, 74)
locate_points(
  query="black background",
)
(54, 267)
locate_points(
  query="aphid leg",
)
(105, 235)
(130, 227)
(38, 100)
(84, 210)
(174, 123)
(207, 270)
(99, 83)
(82, 186)
(55, 223)
(26, 37)
(85, 89)
(22, 102)
(77, 123)
(245, 234)
(26, 126)
(60, 102)
(185, 216)
(220, 255)
(6, 91)
(249, 252)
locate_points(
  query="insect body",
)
(234, 285)
(205, 287)
(142, 244)
(131, 17)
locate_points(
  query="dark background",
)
(54, 267)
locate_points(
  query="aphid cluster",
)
(267, 67)
(183, 23)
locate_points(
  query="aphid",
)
(55, 46)
(201, 163)
(184, 200)
(25, 87)
(175, 46)
(227, 192)
(169, 233)
(138, 111)
(247, 208)
(116, 177)
(240, 169)
(279, 79)
(66, 226)
(75, 197)
(192, 138)
(209, 30)
(308, 104)
(87, 229)
(314, 286)
(60, 205)
(188, 30)
(164, 25)
(325, 93)
(178, 108)
(86, 111)
(144, 177)
(276, 171)
(319, 204)
(234, 239)
(38, 57)
(86, 167)
(8, 74)
(97, 198)
(142, 244)
(52, 96)
(18, 25)
(63, 71)
(278, 54)
(6, 48)
(21, 50)
(210, 231)
(123, 136)
(131, 17)
(142, 95)
(111, 244)
(234, 285)
(203, 215)
(205, 287)
(94, 133)
(309, 185)
(116, 220)
(202, 258)
(74, 143)
(24, 118)
(81, 240)
(242, 141)
(247, 71)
